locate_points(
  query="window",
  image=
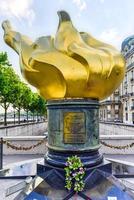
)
(116, 116)
(133, 117)
(126, 116)
(132, 58)
(132, 102)
(109, 107)
(126, 104)
(108, 116)
(116, 107)
(126, 78)
(132, 74)
(132, 87)
(116, 98)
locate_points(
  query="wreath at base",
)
(74, 174)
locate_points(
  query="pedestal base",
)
(56, 176)
(99, 184)
(88, 158)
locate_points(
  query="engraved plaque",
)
(74, 128)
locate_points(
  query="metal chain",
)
(21, 148)
(117, 147)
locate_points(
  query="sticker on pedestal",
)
(112, 198)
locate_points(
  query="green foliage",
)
(38, 104)
(27, 97)
(15, 92)
(4, 59)
(74, 172)
(41, 106)
(34, 102)
(20, 95)
(7, 80)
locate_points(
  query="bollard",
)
(1, 153)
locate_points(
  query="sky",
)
(108, 20)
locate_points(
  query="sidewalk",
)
(9, 159)
(7, 183)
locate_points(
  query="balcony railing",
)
(131, 65)
(127, 95)
(129, 53)
(109, 102)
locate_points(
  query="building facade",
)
(127, 86)
(120, 105)
(111, 108)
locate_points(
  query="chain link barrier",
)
(24, 148)
(120, 147)
(20, 147)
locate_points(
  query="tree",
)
(41, 107)
(17, 93)
(34, 103)
(19, 96)
(8, 79)
(27, 99)
(4, 59)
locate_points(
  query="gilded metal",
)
(74, 128)
(71, 65)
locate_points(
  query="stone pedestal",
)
(55, 176)
(73, 129)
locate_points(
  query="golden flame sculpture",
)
(71, 65)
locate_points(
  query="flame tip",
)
(63, 15)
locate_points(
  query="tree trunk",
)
(40, 117)
(33, 116)
(14, 116)
(37, 117)
(27, 116)
(5, 114)
(19, 116)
